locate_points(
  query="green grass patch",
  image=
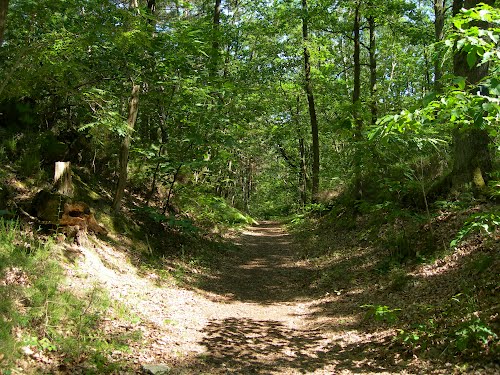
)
(39, 314)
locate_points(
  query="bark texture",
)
(125, 147)
(311, 104)
(373, 69)
(62, 178)
(439, 18)
(356, 103)
(4, 6)
(214, 64)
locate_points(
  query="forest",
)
(249, 187)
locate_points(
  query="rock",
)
(156, 369)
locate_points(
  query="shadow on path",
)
(276, 324)
(247, 346)
(264, 269)
(252, 346)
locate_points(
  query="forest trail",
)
(252, 316)
(257, 315)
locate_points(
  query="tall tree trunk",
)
(356, 91)
(155, 177)
(373, 69)
(125, 147)
(303, 181)
(303, 172)
(152, 10)
(356, 103)
(4, 6)
(312, 107)
(214, 63)
(167, 204)
(439, 18)
(152, 6)
(472, 158)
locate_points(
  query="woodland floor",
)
(258, 314)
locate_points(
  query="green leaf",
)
(472, 57)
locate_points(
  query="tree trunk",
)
(303, 182)
(303, 172)
(214, 64)
(152, 10)
(4, 6)
(472, 158)
(356, 91)
(125, 147)
(155, 177)
(439, 18)
(167, 205)
(356, 103)
(373, 70)
(312, 107)
(152, 6)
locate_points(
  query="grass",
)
(42, 318)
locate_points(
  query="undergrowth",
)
(431, 277)
(41, 319)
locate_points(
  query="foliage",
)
(457, 323)
(222, 133)
(419, 337)
(458, 107)
(185, 225)
(480, 43)
(473, 332)
(382, 313)
(210, 210)
(486, 223)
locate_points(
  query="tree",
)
(356, 101)
(4, 5)
(310, 100)
(440, 8)
(214, 63)
(125, 146)
(471, 153)
(372, 49)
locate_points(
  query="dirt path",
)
(261, 297)
(258, 315)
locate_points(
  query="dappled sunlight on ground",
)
(265, 311)
(253, 346)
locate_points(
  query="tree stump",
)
(57, 209)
